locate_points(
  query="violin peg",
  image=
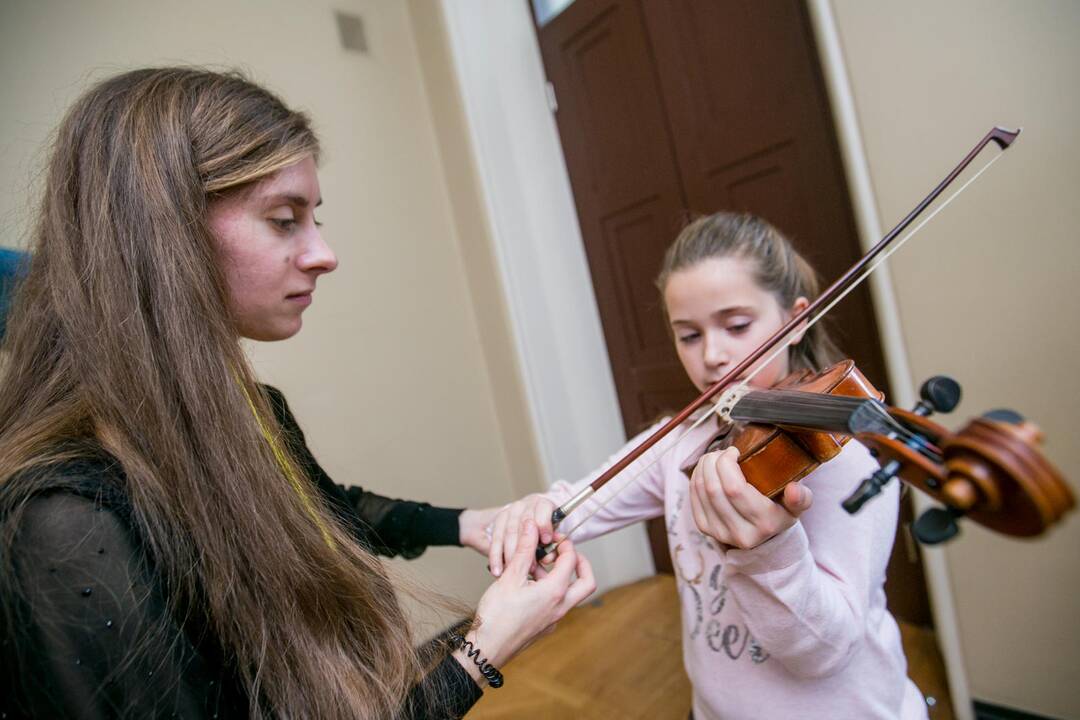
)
(936, 525)
(1004, 415)
(870, 487)
(939, 394)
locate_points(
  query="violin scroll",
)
(990, 471)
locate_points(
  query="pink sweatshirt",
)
(794, 628)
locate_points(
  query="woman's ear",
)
(800, 304)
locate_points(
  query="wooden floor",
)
(619, 657)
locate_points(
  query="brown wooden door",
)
(752, 130)
(671, 108)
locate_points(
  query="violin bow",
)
(847, 282)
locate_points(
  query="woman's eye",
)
(283, 223)
(689, 337)
(738, 328)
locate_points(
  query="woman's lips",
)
(300, 298)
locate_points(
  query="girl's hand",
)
(506, 526)
(474, 528)
(516, 608)
(732, 511)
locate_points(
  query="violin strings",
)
(782, 346)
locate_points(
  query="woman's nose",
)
(317, 256)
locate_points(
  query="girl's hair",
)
(778, 269)
(120, 339)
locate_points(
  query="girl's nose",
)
(716, 355)
(317, 256)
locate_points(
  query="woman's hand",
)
(505, 529)
(474, 528)
(732, 511)
(517, 608)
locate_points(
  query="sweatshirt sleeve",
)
(385, 525)
(637, 493)
(806, 594)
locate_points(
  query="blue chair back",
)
(12, 264)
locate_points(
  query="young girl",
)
(168, 545)
(783, 604)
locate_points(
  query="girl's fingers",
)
(743, 497)
(550, 557)
(719, 524)
(797, 498)
(696, 506)
(542, 515)
(718, 506)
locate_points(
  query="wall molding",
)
(864, 202)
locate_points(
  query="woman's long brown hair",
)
(120, 338)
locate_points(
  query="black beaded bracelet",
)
(489, 671)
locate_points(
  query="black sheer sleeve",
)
(446, 693)
(89, 635)
(387, 526)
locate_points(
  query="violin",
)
(992, 470)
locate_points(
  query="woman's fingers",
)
(513, 530)
(582, 587)
(563, 568)
(498, 540)
(524, 555)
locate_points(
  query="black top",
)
(91, 636)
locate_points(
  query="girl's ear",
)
(800, 304)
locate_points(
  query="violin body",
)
(773, 455)
(991, 471)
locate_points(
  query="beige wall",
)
(987, 292)
(401, 377)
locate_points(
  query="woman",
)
(170, 546)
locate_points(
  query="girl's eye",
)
(689, 337)
(283, 223)
(738, 328)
